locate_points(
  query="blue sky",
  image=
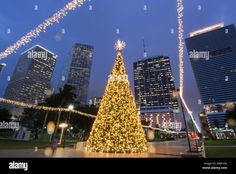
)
(98, 27)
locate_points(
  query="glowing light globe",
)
(150, 135)
(50, 127)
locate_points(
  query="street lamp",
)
(44, 122)
(175, 94)
(62, 126)
(71, 107)
(65, 125)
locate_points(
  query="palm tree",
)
(5, 115)
(65, 97)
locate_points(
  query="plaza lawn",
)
(16, 144)
(220, 148)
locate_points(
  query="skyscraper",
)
(32, 75)
(77, 73)
(212, 52)
(95, 101)
(154, 85)
(2, 65)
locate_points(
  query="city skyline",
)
(154, 88)
(117, 22)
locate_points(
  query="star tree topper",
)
(120, 45)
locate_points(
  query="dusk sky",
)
(157, 25)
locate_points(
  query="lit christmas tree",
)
(117, 128)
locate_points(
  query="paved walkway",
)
(168, 149)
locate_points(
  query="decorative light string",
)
(42, 27)
(45, 108)
(180, 9)
(159, 129)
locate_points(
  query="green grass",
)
(15, 144)
(220, 152)
(213, 149)
(220, 142)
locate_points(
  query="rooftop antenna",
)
(144, 49)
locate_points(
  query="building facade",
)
(32, 76)
(2, 65)
(212, 52)
(95, 101)
(154, 86)
(77, 72)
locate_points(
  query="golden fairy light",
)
(117, 127)
(56, 17)
(45, 108)
(180, 9)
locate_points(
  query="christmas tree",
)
(117, 128)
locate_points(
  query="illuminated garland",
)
(42, 27)
(180, 9)
(45, 108)
(159, 129)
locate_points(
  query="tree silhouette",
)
(5, 115)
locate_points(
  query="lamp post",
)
(44, 122)
(57, 123)
(62, 126)
(176, 95)
(70, 107)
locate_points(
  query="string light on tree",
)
(55, 18)
(117, 128)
